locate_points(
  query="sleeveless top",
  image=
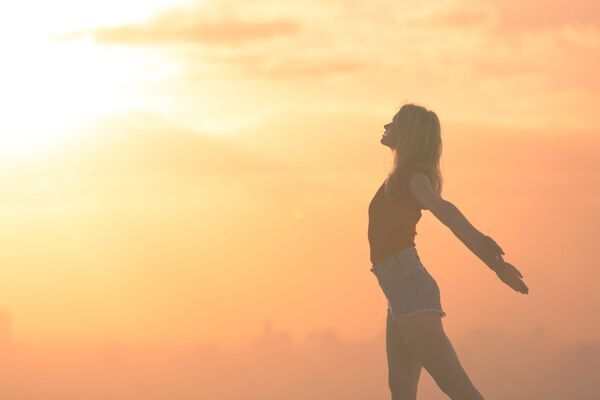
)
(392, 222)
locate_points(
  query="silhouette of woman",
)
(415, 336)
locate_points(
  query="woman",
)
(415, 336)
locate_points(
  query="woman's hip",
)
(406, 283)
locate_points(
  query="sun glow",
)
(49, 88)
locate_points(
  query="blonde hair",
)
(418, 139)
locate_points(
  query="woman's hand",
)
(489, 246)
(489, 252)
(511, 276)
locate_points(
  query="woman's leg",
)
(403, 368)
(425, 337)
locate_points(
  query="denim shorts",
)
(408, 287)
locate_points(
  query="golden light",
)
(49, 88)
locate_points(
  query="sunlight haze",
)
(196, 175)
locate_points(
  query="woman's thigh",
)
(421, 332)
(424, 335)
(404, 368)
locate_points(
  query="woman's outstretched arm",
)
(483, 246)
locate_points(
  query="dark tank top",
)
(392, 222)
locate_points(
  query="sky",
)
(196, 175)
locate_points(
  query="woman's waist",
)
(405, 256)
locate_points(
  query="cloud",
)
(488, 51)
(508, 16)
(267, 65)
(183, 26)
(454, 16)
(519, 16)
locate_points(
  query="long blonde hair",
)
(418, 139)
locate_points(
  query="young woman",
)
(415, 336)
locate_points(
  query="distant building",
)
(272, 342)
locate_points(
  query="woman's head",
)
(414, 135)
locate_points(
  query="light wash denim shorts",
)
(408, 287)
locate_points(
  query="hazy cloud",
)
(459, 16)
(284, 66)
(196, 26)
(544, 55)
(519, 16)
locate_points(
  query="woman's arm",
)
(454, 219)
(481, 245)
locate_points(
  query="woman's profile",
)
(415, 336)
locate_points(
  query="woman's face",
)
(388, 138)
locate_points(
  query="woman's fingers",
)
(523, 287)
(497, 246)
(514, 269)
(509, 277)
(492, 245)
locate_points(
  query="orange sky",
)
(185, 172)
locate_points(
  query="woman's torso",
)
(392, 222)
